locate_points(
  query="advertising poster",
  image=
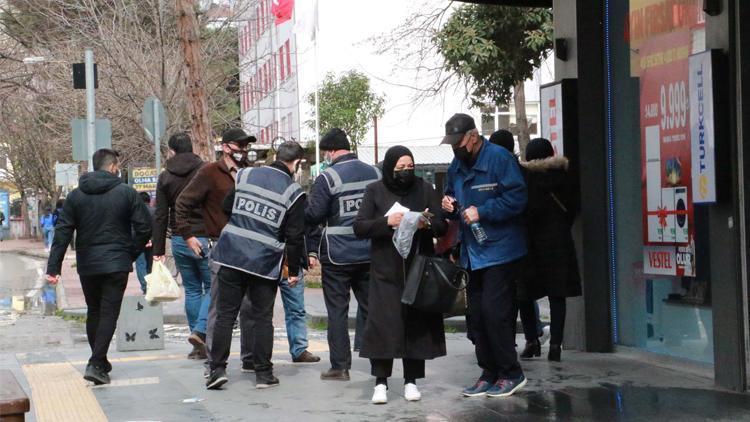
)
(702, 128)
(5, 208)
(668, 224)
(552, 116)
(143, 179)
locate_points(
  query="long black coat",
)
(551, 268)
(394, 330)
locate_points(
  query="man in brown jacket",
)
(206, 191)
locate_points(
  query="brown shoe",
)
(306, 357)
(335, 375)
(199, 346)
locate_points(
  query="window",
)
(283, 127)
(488, 122)
(288, 58)
(281, 63)
(290, 128)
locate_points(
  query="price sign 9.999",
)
(674, 105)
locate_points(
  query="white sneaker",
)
(380, 395)
(411, 393)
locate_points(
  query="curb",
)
(29, 254)
(168, 318)
(457, 324)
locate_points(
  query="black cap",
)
(539, 149)
(334, 140)
(504, 139)
(236, 135)
(456, 127)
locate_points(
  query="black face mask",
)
(462, 154)
(404, 178)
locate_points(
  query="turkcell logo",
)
(349, 205)
(259, 210)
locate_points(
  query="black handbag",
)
(433, 284)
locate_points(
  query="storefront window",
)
(663, 294)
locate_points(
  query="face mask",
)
(404, 178)
(462, 154)
(239, 158)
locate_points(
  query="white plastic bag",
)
(160, 285)
(404, 235)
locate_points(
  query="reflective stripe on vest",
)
(347, 182)
(250, 240)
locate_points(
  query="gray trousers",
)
(247, 338)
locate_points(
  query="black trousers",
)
(338, 280)
(491, 294)
(383, 368)
(557, 308)
(234, 285)
(103, 294)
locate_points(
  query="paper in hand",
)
(396, 208)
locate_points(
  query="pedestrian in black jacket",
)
(181, 167)
(551, 268)
(113, 226)
(394, 330)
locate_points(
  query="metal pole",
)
(317, 87)
(276, 73)
(157, 135)
(90, 107)
(375, 124)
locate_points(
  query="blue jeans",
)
(141, 270)
(49, 235)
(294, 315)
(196, 278)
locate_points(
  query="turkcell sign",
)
(702, 128)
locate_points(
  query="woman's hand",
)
(423, 221)
(394, 220)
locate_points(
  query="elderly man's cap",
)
(456, 127)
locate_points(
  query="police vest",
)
(251, 240)
(347, 181)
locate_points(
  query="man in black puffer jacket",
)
(113, 226)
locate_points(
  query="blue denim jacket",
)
(496, 187)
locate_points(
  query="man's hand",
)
(422, 222)
(312, 262)
(52, 279)
(195, 245)
(293, 281)
(149, 244)
(394, 220)
(447, 203)
(471, 215)
(158, 258)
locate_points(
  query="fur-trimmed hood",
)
(557, 162)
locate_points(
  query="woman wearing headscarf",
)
(551, 267)
(394, 330)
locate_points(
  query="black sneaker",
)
(248, 367)
(266, 381)
(217, 378)
(96, 374)
(107, 366)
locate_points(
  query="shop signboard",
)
(143, 179)
(668, 224)
(5, 208)
(702, 128)
(651, 18)
(552, 115)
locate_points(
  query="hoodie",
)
(111, 222)
(180, 169)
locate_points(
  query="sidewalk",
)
(164, 386)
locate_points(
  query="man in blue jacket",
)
(484, 185)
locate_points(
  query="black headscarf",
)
(389, 163)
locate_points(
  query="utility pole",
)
(375, 125)
(90, 106)
(197, 101)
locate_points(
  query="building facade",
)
(662, 123)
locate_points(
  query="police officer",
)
(334, 201)
(267, 222)
(484, 186)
